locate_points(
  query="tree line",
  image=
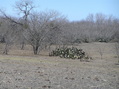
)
(46, 28)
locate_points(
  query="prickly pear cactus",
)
(70, 53)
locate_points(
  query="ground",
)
(23, 70)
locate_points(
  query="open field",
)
(23, 70)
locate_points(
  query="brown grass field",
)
(20, 69)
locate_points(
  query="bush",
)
(77, 41)
(85, 40)
(103, 40)
(70, 53)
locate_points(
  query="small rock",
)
(44, 86)
(66, 78)
(70, 78)
(49, 86)
(89, 77)
(96, 78)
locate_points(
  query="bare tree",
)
(41, 26)
(101, 51)
(117, 50)
(8, 32)
(24, 8)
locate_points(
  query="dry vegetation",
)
(25, 43)
(23, 70)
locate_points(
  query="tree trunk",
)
(22, 46)
(6, 49)
(35, 49)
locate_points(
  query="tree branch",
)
(9, 18)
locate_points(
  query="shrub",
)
(85, 40)
(77, 41)
(103, 40)
(70, 53)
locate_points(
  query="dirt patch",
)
(43, 72)
(18, 72)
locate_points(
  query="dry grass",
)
(92, 49)
(23, 70)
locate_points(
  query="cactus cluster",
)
(70, 53)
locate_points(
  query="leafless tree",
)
(117, 50)
(101, 52)
(24, 9)
(42, 26)
(46, 28)
(8, 32)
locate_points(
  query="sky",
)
(74, 10)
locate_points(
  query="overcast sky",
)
(73, 9)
